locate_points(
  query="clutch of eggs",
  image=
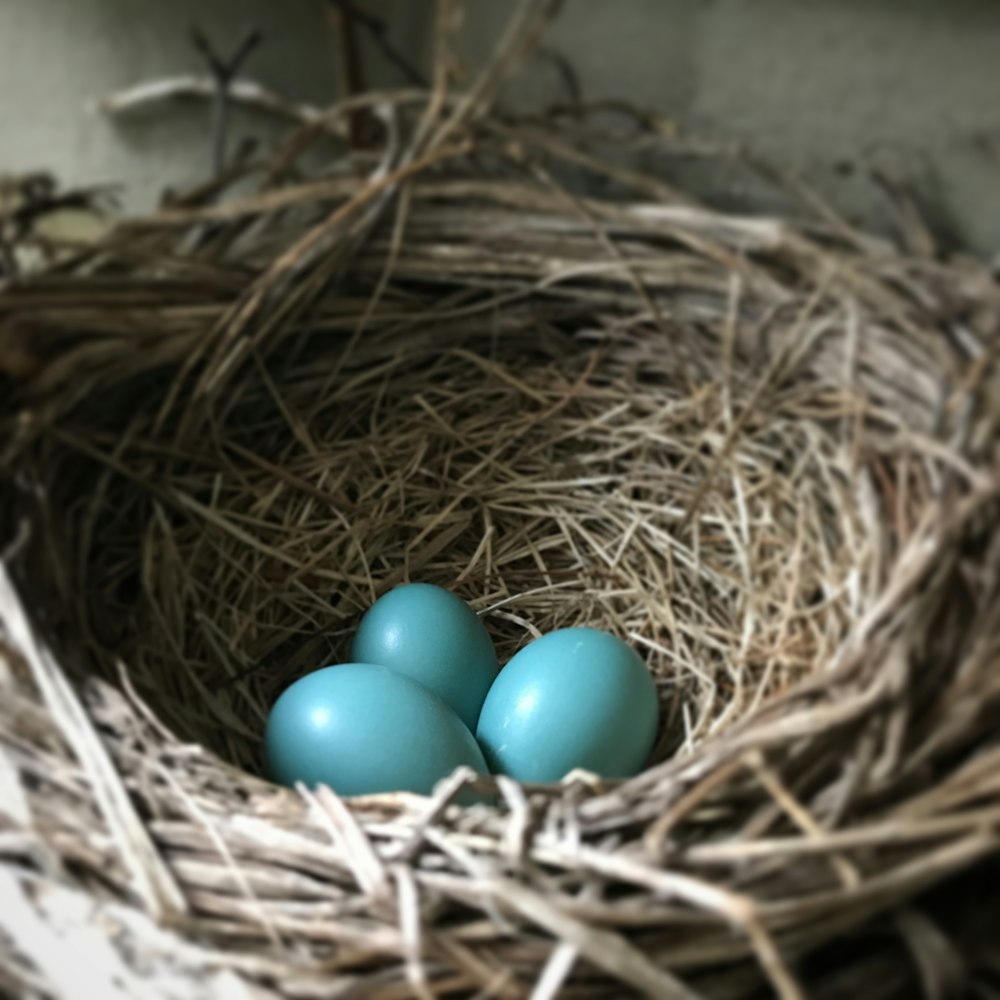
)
(401, 717)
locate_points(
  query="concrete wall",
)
(58, 56)
(828, 88)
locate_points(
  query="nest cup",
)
(757, 450)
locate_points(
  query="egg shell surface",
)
(574, 698)
(433, 637)
(362, 729)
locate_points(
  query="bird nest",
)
(758, 449)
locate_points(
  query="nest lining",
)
(545, 482)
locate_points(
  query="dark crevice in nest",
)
(761, 451)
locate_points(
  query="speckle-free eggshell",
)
(362, 729)
(435, 638)
(574, 698)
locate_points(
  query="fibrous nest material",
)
(759, 449)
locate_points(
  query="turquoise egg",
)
(362, 728)
(435, 638)
(575, 698)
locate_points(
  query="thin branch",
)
(377, 30)
(249, 93)
(223, 73)
(352, 81)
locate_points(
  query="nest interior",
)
(760, 450)
(555, 462)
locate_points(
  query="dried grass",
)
(761, 450)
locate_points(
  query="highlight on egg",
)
(364, 728)
(574, 698)
(433, 637)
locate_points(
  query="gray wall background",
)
(827, 88)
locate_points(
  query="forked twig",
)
(223, 73)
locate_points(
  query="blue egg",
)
(575, 698)
(361, 729)
(435, 638)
